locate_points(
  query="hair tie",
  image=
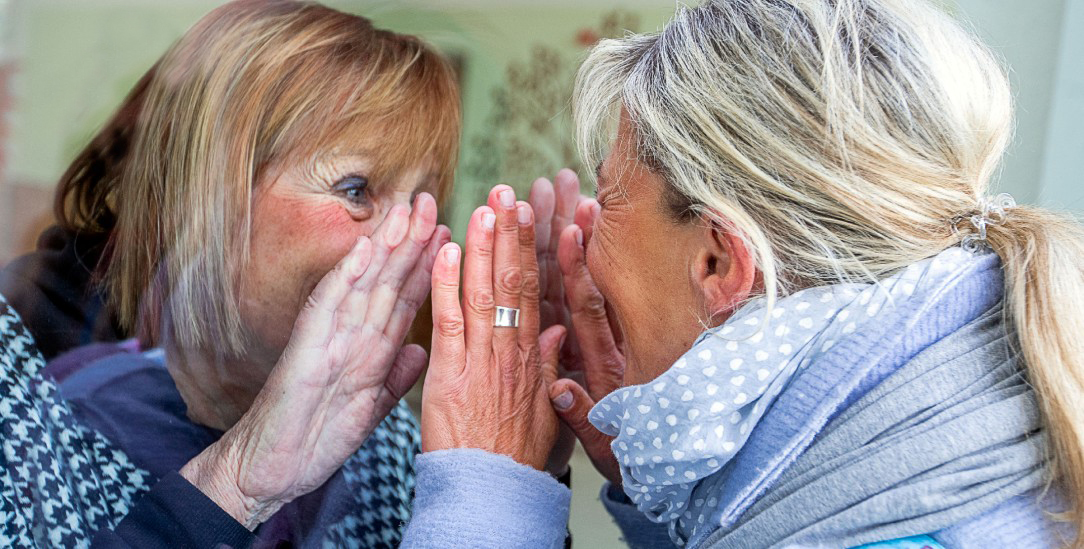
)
(993, 211)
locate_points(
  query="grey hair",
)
(838, 138)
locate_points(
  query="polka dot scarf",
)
(685, 426)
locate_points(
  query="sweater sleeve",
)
(636, 529)
(175, 514)
(472, 498)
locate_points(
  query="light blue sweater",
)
(471, 498)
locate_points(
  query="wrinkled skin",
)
(486, 386)
(340, 374)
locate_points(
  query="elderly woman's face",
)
(643, 261)
(306, 215)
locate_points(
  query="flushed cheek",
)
(294, 245)
(327, 232)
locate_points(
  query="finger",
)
(528, 316)
(602, 361)
(543, 201)
(586, 213)
(416, 287)
(403, 374)
(408, 367)
(549, 344)
(566, 187)
(401, 262)
(449, 347)
(566, 196)
(572, 404)
(478, 283)
(316, 320)
(388, 235)
(507, 269)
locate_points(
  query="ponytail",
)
(82, 201)
(1043, 258)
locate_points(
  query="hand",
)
(487, 386)
(341, 373)
(555, 207)
(560, 205)
(599, 344)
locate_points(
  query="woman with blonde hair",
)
(803, 317)
(266, 193)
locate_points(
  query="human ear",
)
(724, 272)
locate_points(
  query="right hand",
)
(486, 386)
(341, 373)
(592, 365)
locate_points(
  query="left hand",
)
(487, 387)
(341, 373)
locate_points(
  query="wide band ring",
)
(506, 317)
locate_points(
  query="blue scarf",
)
(679, 431)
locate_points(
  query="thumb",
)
(550, 343)
(405, 371)
(572, 404)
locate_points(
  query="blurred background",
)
(65, 64)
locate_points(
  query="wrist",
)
(216, 473)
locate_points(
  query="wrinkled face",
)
(642, 258)
(305, 217)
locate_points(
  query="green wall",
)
(77, 60)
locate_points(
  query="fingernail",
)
(488, 220)
(451, 255)
(596, 208)
(523, 214)
(579, 237)
(563, 401)
(507, 198)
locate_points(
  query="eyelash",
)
(353, 184)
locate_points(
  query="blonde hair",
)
(172, 176)
(840, 138)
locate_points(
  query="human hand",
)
(341, 373)
(486, 387)
(603, 363)
(556, 206)
(559, 206)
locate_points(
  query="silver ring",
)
(506, 317)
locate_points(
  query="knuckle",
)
(482, 252)
(508, 229)
(592, 307)
(450, 326)
(509, 280)
(480, 300)
(409, 302)
(532, 285)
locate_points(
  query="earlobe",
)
(725, 272)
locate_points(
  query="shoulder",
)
(1022, 522)
(132, 401)
(90, 375)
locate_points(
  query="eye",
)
(353, 188)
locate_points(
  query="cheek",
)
(303, 240)
(295, 243)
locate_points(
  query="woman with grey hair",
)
(801, 318)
